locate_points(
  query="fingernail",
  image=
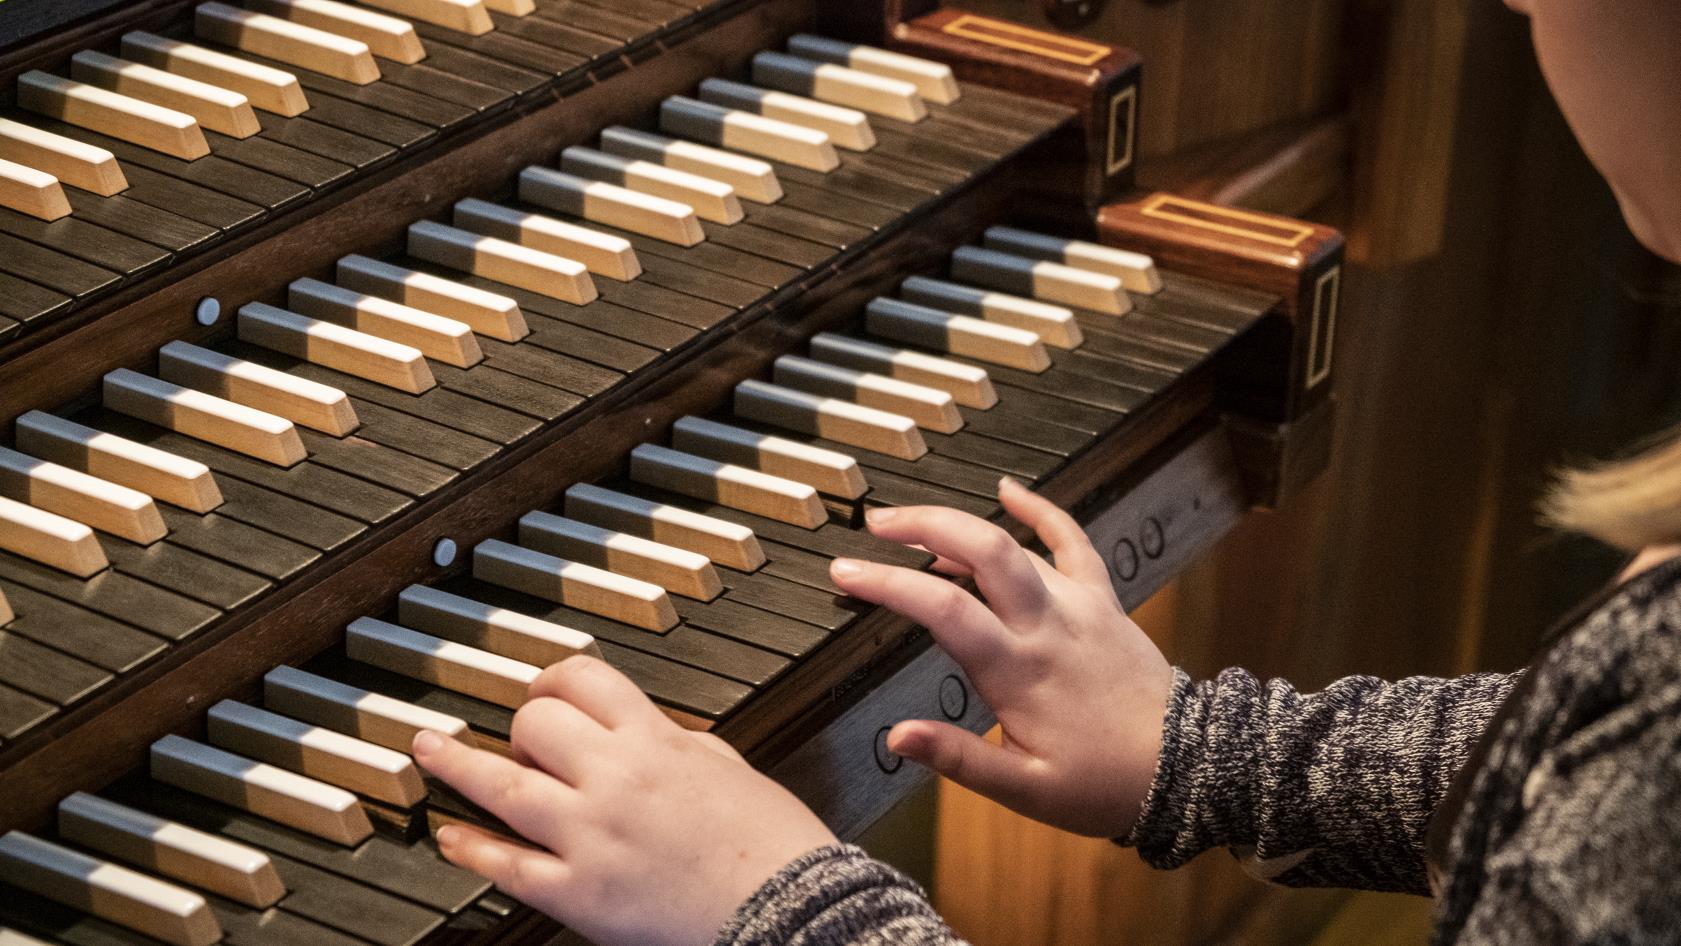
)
(448, 835)
(880, 515)
(846, 568)
(427, 742)
(1008, 482)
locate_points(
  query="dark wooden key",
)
(26, 302)
(1089, 400)
(212, 172)
(750, 238)
(86, 241)
(807, 226)
(46, 674)
(888, 489)
(382, 97)
(504, 48)
(652, 331)
(551, 367)
(570, 36)
(772, 632)
(734, 264)
(607, 350)
(284, 516)
(440, 85)
(362, 458)
(236, 543)
(695, 691)
(483, 69)
(18, 714)
(1027, 463)
(188, 199)
(827, 203)
(91, 637)
(115, 595)
(53, 270)
(507, 390)
(272, 157)
(781, 596)
(186, 573)
(1022, 430)
(133, 218)
(895, 145)
(9, 328)
(366, 122)
(852, 181)
(623, 24)
(644, 296)
(324, 140)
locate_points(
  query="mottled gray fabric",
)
(1565, 827)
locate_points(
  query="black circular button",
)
(885, 757)
(954, 697)
(1151, 538)
(1123, 560)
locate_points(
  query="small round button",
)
(1123, 560)
(1151, 538)
(209, 311)
(443, 553)
(954, 697)
(885, 757)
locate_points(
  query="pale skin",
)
(641, 832)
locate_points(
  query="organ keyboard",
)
(505, 331)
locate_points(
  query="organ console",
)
(360, 359)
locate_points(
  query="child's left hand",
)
(648, 834)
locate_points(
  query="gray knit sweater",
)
(1563, 825)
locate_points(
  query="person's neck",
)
(1648, 558)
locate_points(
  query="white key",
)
(491, 315)
(830, 418)
(462, 16)
(745, 131)
(204, 416)
(709, 199)
(101, 110)
(72, 494)
(374, 717)
(511, 7)
(477, 673)
(14, 938)
(299, 400)
(612, 205)
(575, 585)
(215, 108)
(501, 631)
(1136, 271)
(74, 163)
(727, 484)
(334, 346)
(956, 334)
(52, 540)
(387, 37)
(32, 192)
(841, 85)
(827, 470)
(726, 543)
(933, 80)
(601, 253)
(969, 385)
(751, 178)
(678, 571)
(170, 849)
(267, 791)
(269, 89)
(318, 753)
(1040, 279)
(157, 473)
(1054, 324)
(284, 41)
(6, 614)
(847, 127)
(106, 890)
(931, 408)
(434, 336)
(522, 267)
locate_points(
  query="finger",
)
(1000, 567)
(557, 737)
(529, 800)
(718, 745)
(521, 872)
(603, 693)
(1069, 545)
(946, 566)
(969, 632)
(965, 758)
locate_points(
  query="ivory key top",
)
(969, 385)
(956, 334)
(160, 475)
(436, 337)
(170, 849)
(610, 204)
(376, 359)
(523, 267)
(511, 7)
(601, 253)
(267, 88)
(204, 416)
(218, 109)
(469, 670)
(6, 613)
(75, 495)
(373, 717)
(10, 937)
(727, 484)
(744, 131)
(1136, 271)
(462, 16)
(489, 314)
(106, 890)
(830, 418)
(726, 543)
(74, 163)
(847, 127)
(501, 631)
(678, 571)
(835, 474)
(931, 408)
(840, 85)
(52, 540)
(709, 199)
(109, 113)
(315, 752)
(1054, 324)
(1040, 279)
(933, 80)
(574, 584)
(284, 41)
(268, 791)
(386, 36)
(299, 400)
(752, 179)
(32, 192)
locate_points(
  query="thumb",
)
(963, 757)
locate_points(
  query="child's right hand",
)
(1078, 689)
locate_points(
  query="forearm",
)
(837, 896)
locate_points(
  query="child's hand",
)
(646, 833)
(1079, 690)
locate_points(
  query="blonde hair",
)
(1630, 503)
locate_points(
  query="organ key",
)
(600, 253)
(299, 400)
(969, 385)
(841, 421)
(574, 584)
(933, 80)
(70, 161)
(75, 495)
(434, 336)
(377, 718)
(751, 178)
(333, 346)
(930, 408)
(477, 673)
(520, 266)
(847, 128)
(268, 791)
(1054, 324)
(489, 314)
(726, 484)
(676, 570)
(726, 543)
(841, 85)
(386, 36)
(284, 41)
(498, 630)
(1136, 271)
(108, 891)
(610, 204)
(709, 199)
(33, 192)
(829, 472)
(956, 334)
(1041, 279)
(745, 131)
(96, 109)
(215, 108)
(204, 416)
(318, 753)
(159, 474)
(463, 16)
(6, 613)
(52, 540)
(269, 89)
